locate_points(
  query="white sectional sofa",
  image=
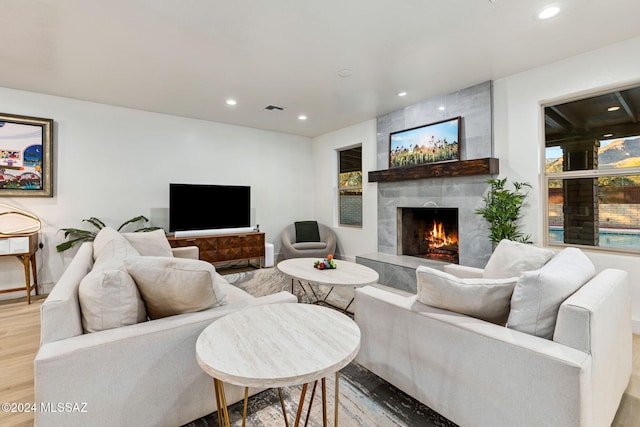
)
(143, 374)
(477, 373)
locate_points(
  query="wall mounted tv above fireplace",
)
(201, 207)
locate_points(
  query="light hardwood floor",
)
(19, 342)
(20, 338)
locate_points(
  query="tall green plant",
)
(503, 209)
(79, 235)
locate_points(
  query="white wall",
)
(352, 241)
(116, 163)
(518, 127)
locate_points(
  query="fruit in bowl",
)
(326, 264)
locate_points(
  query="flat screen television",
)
(208, 207)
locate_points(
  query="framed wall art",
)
(432, 143)
(26, 163)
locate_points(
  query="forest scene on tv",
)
(437, 142)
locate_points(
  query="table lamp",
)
(15, 221)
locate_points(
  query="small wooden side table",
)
(24, 248)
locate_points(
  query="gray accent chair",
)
(292, 249)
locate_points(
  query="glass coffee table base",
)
(223, 413)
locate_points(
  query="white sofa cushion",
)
(109, 245)
(175, 285)
(108, 296)
(539, 293)
(511, 259)
(150, 243)
(486, 299)
(109, 299)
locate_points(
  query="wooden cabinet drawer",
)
(224, 247)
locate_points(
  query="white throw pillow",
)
(109, 299)
(175, 285)
(150, 243)
(486, 299)
(511, 259)
(111, 245)
(539, 294)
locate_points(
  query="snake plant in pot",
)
(502, 208)
(79, 235)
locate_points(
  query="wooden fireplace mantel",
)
(486, 166)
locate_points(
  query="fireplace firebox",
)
(430, 233)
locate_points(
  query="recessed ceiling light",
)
(403, 93)
(302, 117)
(441, 108)
(614, 108)
(548, 12)
(231, 102)
(607, 135)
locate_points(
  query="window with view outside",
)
(592, 171)
(350, 186)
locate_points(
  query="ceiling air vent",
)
(274, 108)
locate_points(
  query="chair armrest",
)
(463, 271)
(192, 252)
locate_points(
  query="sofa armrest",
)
(192, 252)
(463, 271)
(596, 319)
(601, 306)
(60, 316)
(122, 373)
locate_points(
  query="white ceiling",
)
(187, 57)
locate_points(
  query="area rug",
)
(266, 281)
(365, 400)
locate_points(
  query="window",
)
(350, 186)
(592, 171)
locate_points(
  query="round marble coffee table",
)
(346, 274)
(276, 345)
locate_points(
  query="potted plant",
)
(502, 209)
(79, 235)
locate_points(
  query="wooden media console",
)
(220, 248)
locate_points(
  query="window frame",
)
(587, 173)
(350, 187)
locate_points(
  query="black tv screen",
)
(205, 207)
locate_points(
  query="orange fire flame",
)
(437, 236)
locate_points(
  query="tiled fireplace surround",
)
(474, 105)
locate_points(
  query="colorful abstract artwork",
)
(25, 156)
